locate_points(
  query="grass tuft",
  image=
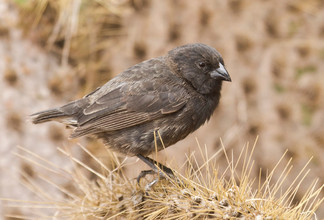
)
(201, 192)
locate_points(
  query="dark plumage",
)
(169, 96)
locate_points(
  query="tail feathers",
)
(48, 115)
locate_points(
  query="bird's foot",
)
(157, 168)
(144, 173)
(161, 175)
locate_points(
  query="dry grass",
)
(77, 32)
(277, 69)
(201, 192)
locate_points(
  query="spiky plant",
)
(199, 193)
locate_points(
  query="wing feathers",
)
(131, 103)
(114, 122)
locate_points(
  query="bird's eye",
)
(202, 64)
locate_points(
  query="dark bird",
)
(151, 105)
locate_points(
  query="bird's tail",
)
(48, 115)
(66, 114)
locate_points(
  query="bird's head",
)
(201, 65)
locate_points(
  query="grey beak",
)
(221, 73)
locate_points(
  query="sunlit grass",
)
(202, 191)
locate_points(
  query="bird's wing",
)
(130, 105)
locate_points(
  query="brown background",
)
(274, 51)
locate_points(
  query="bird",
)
(149, 106)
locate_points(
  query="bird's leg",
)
(156, 168)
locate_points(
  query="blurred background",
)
(52, 52)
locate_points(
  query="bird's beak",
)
(221, 73)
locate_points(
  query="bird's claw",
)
(143, 174)
(149, 186)
(161, 175)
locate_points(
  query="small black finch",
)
(164, 98)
